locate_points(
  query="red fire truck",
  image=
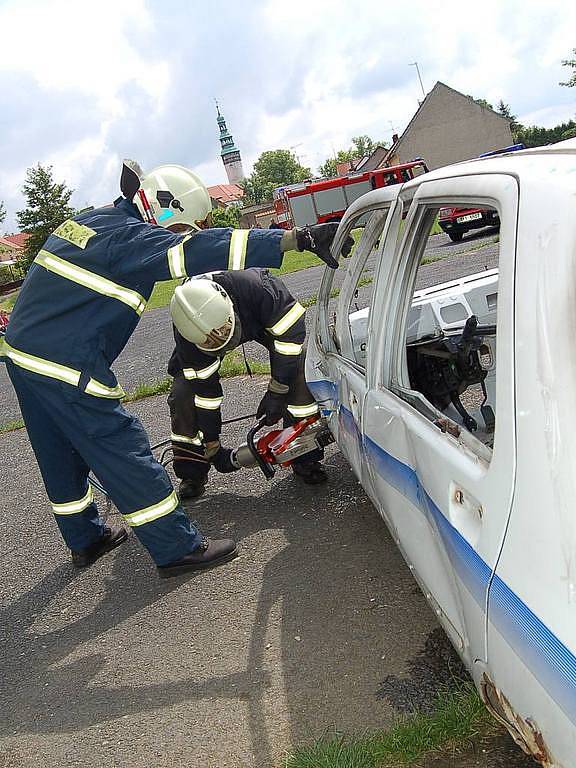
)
(320, 200)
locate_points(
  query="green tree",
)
(571, 63)
(328, 167)
(504, 110)
(274, 168)
(255, 190)
(536, 136)
(362, 146)
(226, 217)
(2, 211)
(482, 102)
(47, 207)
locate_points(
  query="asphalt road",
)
(145, 357)
(317, 627)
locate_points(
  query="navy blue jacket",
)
(268, 314)
(88, 286)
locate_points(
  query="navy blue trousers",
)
(72, 433)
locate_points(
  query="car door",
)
(343, 328)
(448, 495)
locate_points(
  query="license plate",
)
(469, 217)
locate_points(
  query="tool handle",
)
(264, 466)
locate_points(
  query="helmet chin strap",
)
(146, 206)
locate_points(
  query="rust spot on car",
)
(525, 732)
(445, 425)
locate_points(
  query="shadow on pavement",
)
(316, 584)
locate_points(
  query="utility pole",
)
(415, 64)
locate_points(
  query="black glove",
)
(222, 460)
(318, 239)
(272, 406)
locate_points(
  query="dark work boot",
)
(111, 539)
(311, 472)
(210, 553)
(191, 489)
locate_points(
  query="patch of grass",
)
(232, 365)
(11, 426)
(478, 246)
(294, 261)
(312, 300)
(7, 303)
(431, 259)
(158, 387)
(436, 228)
(457, 716)
(162, 294)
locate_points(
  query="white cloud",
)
(81, 90)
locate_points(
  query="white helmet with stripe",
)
(170, 195)
(203, 313)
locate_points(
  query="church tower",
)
(230, 155)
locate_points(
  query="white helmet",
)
(169, 194)
(203, 313)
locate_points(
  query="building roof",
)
(396, 145)
(17, 241)
(374, 160)
(226, 193)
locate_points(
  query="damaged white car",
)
(448, 378)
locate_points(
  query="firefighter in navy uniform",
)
(79, 305)
(212, 315)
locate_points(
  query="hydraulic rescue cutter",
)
(282, 446)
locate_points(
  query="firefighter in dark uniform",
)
(212, 315)
(79, 305)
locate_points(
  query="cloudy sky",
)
(84, 85)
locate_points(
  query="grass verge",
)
(457, 716)
(233, 365)
(11, 426)
(7, 303)
(293, 262)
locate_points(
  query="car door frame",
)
(469, 566)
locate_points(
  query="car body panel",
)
(491, 539)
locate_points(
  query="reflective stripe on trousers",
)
(208, 403)
(74, 507)
(155, 511)
(287, 347)
(196, 440)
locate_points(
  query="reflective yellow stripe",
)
(287, 348)
(208, 403)
(73, 507)
(183, 439)
(74, 233)
(286, 322)
(301, 411)
(203, 373)
(57, 371)
(90, 280)
(38, 365)
(101, 390)
(176, 260)
(238, 247)
(147, 515)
